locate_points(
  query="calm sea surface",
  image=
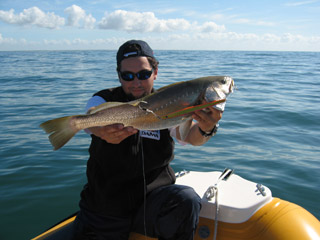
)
(269, 132)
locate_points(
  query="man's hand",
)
(114, 133)
(207, 118)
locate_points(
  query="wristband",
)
(209, 134)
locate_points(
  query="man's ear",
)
(119, 78)
(155, 73)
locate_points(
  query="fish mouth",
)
(232, 86)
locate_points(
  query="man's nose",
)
(136, 81)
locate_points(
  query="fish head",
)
(218, 88)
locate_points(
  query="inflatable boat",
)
(233, 208)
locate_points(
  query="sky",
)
(258, 25)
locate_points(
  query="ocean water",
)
(269, 132)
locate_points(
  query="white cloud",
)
(296, 4)
(211, 27)
(242, 41)
(148, 22)
(192, 41)
(32, 16)
(77, 17)
(7, 40)
(120, 20)
(291, 38)
(142, 22)
(253, 22)
(8, 43)
(183, 34)
(270, 38)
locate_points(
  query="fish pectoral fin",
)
(184, 129)
(104, 106)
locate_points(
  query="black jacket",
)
(115, 171)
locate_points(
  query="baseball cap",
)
(126, 50)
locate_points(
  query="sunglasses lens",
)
(127, 76)
(144, 74)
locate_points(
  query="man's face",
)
(137, 88)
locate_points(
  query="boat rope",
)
(212, 192)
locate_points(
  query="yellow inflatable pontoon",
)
(233, 208)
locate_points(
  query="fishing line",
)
(144, 188)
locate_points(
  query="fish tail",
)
(60, 130)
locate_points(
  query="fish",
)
(167, 107)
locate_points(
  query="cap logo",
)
(130, 53)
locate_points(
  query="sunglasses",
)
(142, 75)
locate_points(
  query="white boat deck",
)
(238, 198)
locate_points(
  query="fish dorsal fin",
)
(143, 99)
(107, 105)
(168, 86)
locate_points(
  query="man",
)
(130, 182)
